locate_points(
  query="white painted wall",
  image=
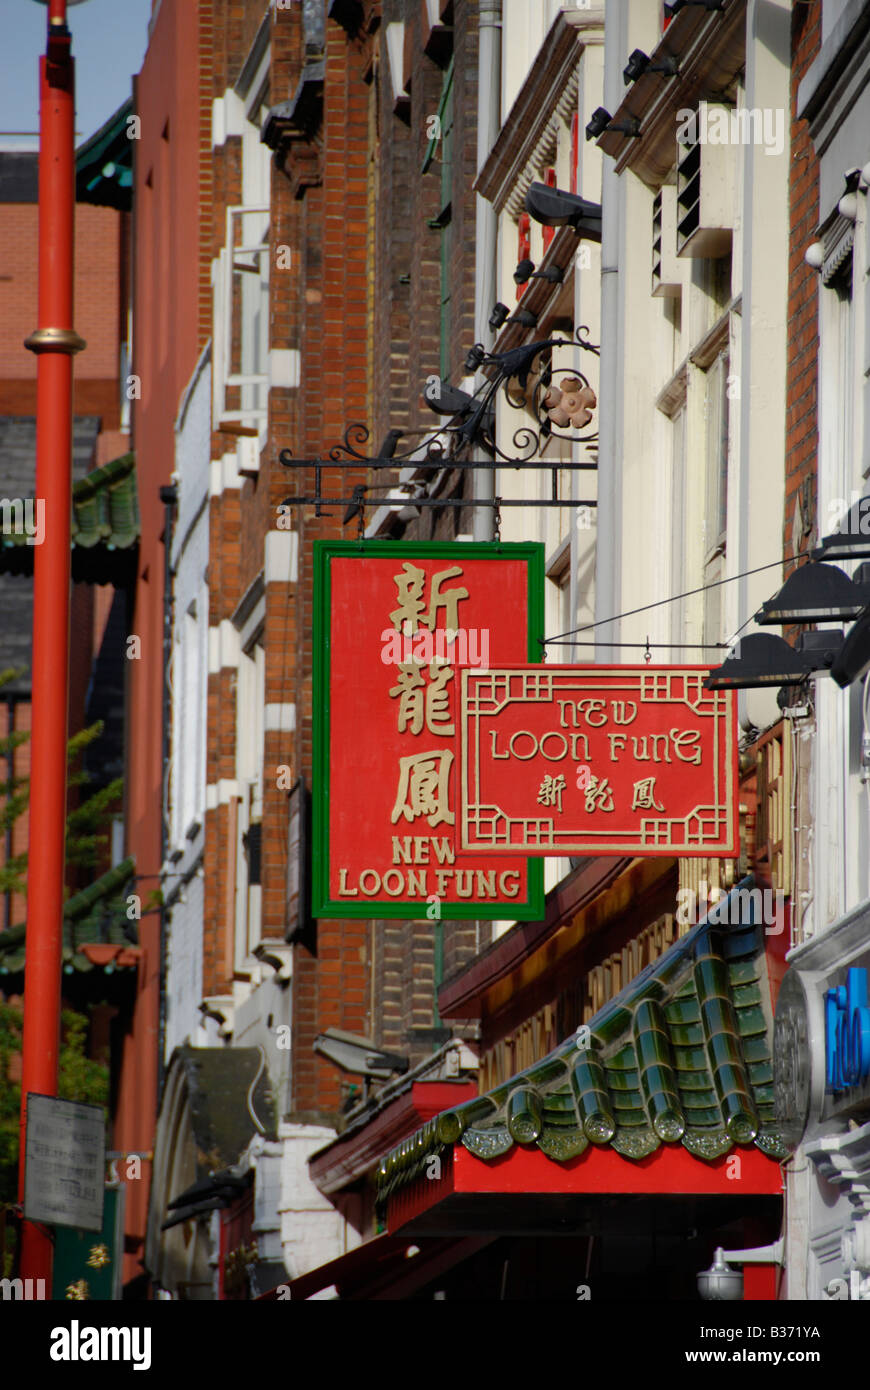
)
(182, 882)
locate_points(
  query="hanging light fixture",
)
(853, 658)
(851, 540)
(817, 593)
(553, 207)
(761, 659)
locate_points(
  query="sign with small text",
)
(573, 760)
(65, 1163)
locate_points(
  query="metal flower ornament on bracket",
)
(526, 374)
(570, 403)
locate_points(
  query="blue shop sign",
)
(847, 1033)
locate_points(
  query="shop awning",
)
(674, 1074)
(384, 1268)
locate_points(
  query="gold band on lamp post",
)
(54, 340)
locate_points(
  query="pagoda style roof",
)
(104, 164)
(104, 532)
(97, 933)
(681, 1056)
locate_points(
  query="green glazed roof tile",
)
(104, 527)
(682, 1055)
(104, 163)
(742, 972)
(96, 915)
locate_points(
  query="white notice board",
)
(65, 1164)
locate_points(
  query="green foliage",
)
(79, 1078)
(85, 839)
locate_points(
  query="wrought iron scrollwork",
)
(545, 390)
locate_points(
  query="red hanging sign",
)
(597, 760)
(395, 624)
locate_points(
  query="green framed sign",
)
(394, 623)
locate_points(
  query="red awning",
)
(519, 1187)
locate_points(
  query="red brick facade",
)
(803, 333)
(100, 291)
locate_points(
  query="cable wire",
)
(675, 598)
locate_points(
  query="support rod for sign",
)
(443, 465)
(54, 342)
(495, 503)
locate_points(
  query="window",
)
(240, 278)
(188, 693)
(250, 705)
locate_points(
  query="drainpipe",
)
(169, 498)
(488, 125)
(608, 543)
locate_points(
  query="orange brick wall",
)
(803, 332)
(98, 305)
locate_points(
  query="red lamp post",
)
(55, 341)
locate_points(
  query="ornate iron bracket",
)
(446, 447)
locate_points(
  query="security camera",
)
(598, 122)
(636, 66)
(639, 63)
(525, 271)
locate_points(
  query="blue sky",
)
(109, 41)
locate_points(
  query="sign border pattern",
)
(409, 909)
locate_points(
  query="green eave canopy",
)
(97, 916)
(682, 1055)
(105, 528)
(104, 164)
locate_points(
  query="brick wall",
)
(360, 303)
(801, 531)
(329, 990)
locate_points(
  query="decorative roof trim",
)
(683, 1054)
(711, 49)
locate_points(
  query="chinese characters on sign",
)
(400, 622)
(596, 760)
